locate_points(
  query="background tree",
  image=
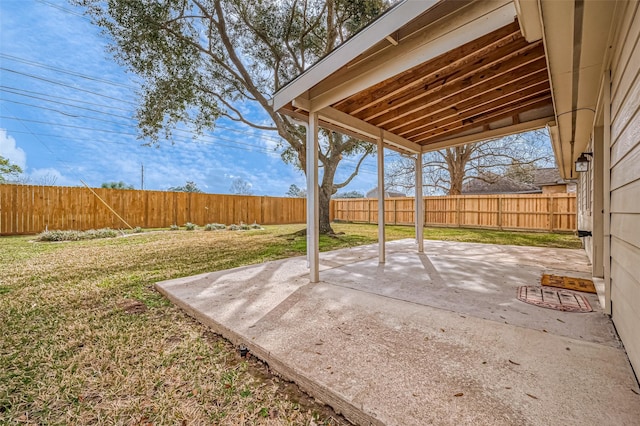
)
(296, 192)
(8, 170)
(203, 59)
(349, 194)
(116, 185)
(190, 186)
(240, 186)
(446, 171)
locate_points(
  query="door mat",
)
(568, 283)
(560, 300)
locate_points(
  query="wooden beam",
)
(468, 99)
(529, 16)
(485, 119)
(470, 23)
(456, 58)
(341, 119)
(436, 122)
(527, 60)
(488, 134)
(302, 117)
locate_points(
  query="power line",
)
(62, 9)
(65, 71)
(64, 85)
(23, 92)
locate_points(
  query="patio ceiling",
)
(433, 82)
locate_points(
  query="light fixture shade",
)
(582, 163)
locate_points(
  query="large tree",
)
(7, 169)
(204, 59)
(445, 171)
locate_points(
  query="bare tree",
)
(240, 186)
(204, 59)
(446, 171)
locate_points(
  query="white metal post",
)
(313, 228)
(419, 205)
(381, 239)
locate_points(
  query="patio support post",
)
(419, 205)
(381, 240)
(313, 227)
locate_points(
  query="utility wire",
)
(65, 71)
(64, 85)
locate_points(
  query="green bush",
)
(137, 230)
(71, 235)
(174, 227)
(233, 227)
(190, 226)
(214, 226)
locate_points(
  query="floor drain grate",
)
(560, 300)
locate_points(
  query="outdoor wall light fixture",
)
(582, 163)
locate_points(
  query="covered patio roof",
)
(428, 75)
(432, 74)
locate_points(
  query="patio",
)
(425, 338)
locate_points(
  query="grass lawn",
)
(85, 339)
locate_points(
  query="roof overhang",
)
(577, 38)
(430, 74)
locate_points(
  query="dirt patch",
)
(133, 307)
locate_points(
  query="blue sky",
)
(66, 112)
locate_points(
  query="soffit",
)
(459, 72)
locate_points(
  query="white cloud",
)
(9, 149)
(49, 176)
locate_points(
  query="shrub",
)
(137, 230)
(214, 226)
(234, 227)
(72, 235)
(244, 227)
(190, 226)
(256, 226)
(174, 227)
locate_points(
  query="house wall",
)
(554, 189)
(625, 183)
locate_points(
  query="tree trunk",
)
(324, 206)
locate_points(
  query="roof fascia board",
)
(469, 24)
(529, 19)
(343, 54)
(489, 134)
(342, 119)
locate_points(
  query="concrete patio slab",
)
(434, 338)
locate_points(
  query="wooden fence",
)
(536, 212)
(27, 209)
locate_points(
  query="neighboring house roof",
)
(547, 176)
(373, 193)
(495, 184)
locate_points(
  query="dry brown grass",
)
(85, 339)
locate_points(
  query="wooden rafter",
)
(485, 119)
(477, 95)
(472, 115)
(472, 106)
(442, 64)
(529, 57)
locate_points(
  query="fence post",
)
(500, 198)
(458, 215)
(550, 207)
(395, 212)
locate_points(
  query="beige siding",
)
(625, 185)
